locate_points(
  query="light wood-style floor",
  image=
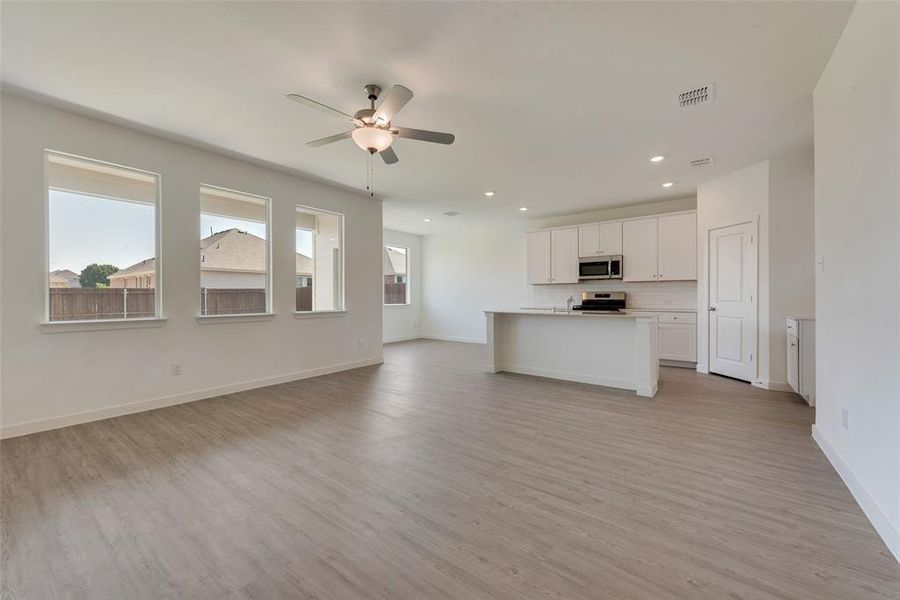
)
(426, 478)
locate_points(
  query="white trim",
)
(29, 427)
(101, 324)
(266, 316)
(889, 534)
(405, 338)
(622, 220)
(404, 305)
(774, 386)
(447, 338)
(312, 314)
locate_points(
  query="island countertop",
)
(571, 313)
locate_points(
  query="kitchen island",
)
(611, 349)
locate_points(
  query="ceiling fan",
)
(374, 130)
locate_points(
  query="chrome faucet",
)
(569, 303)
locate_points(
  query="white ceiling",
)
(556, 106)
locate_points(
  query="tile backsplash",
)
(649, 294)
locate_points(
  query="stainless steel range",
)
(601, 302)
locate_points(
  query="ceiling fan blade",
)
(319, 106)
(389, 156)
(424, 135)
(330, 139)
(396, 98)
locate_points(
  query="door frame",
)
(704, 309)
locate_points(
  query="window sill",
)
(208, 319)
(407, 305)
(319, 314)
(101, 324)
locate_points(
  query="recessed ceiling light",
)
(490, 193)
(427, 220)
(658, 158)
(523, 208)
(668, 184)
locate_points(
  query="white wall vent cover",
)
(451, 213)
(701, 162)
(696, 96)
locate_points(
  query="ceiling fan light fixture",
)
(372, 139)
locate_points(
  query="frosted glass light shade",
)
(372, 138)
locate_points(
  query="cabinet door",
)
(678, 342)
(564, 256)
(589, 240)
(678, 247)
(793, 363)
(537, 257)
(639, 244)
(610, 238)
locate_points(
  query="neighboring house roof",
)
(394, 261)
(58, 281)
(231, 250)
(65, 273)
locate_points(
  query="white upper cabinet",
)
(677, 247)
(610, 238)
(600, 239)
(639, 250)
(589, 240)
(537, 257)
(564, 255)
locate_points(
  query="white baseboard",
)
(405, 338)
(775, 386)
(8, 431)
(622, 384)
(880, 522)
(447, 338)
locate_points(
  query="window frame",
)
(83, 324)
(269, 311)
(342, 280)
(408, 301)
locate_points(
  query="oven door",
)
(592, 268)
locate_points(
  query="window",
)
(396, 275)
(320, 262)
(234, 253)
(102, 240)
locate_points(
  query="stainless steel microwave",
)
(600, 267)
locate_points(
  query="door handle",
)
(711, 309)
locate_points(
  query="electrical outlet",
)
(845, 418)
(176, 368)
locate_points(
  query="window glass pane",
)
(396, 275)
(102, 240)
(234, 253)
(320, 278)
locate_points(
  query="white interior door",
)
(732, 301)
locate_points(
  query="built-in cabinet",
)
(801, 359)
(678, 336)
(656, 248)
(600, 239)
(660, 248)
(552, 256)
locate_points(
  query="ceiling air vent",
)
(696, 96)
(451, 213)
(701, 162)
